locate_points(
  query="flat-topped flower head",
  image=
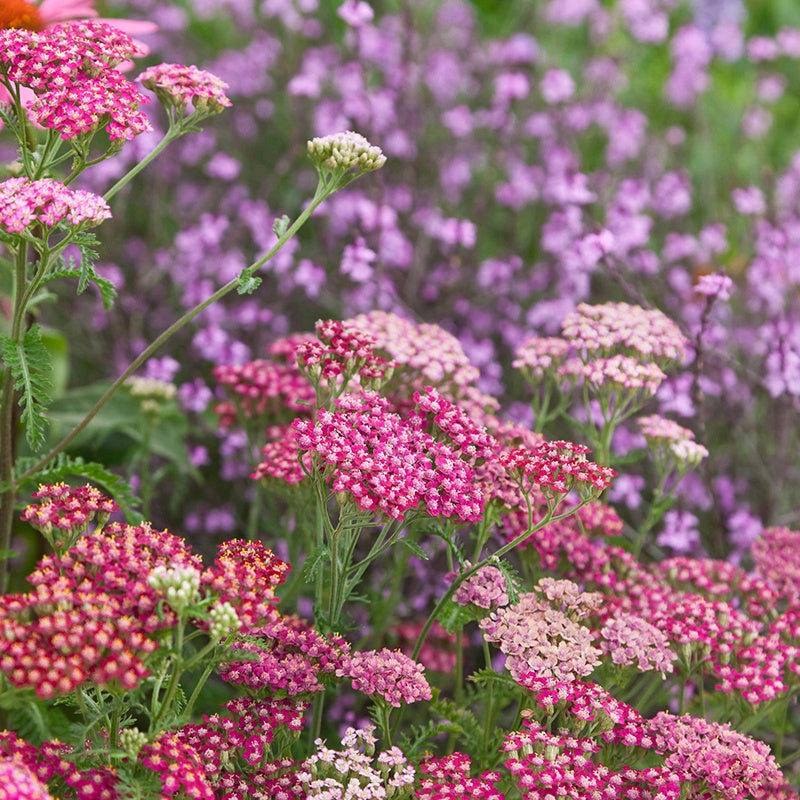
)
(618, 372)
(539, 356)
(64, 513)
(179, 86)
(25, 203)
(776, 554)
(389, 674)
(341, 153)
(668, 438)
(542, 640)
(723, 761)
(487, 588)
(597, 331)
(423, 353)
(631, 639)
(71, 72)
(341, 352)
(386, 463)
(556, 468)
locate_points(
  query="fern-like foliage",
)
(84, 272)
(31, 365)
(68, 468)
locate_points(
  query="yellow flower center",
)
(20, 14)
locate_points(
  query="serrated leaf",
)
(85, 276)
(314, 561)
(30, 365)
(248, 282)
(281, 225)
(414, 548)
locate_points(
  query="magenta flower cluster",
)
(71, 69)
(387, 463)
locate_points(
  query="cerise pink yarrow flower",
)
(70, 70)
(387, 463)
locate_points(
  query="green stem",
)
(176, 326)
(169, 136)
(7, 423)
(531, 529)
(174, 679)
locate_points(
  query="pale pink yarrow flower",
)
(537, 638)
(624, 372)
(610, 328)
(630, 639)
(49, 203)
(539, 355)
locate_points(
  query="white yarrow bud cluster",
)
(224, 621)
(341, 152)
(180, 585)
(132, 740)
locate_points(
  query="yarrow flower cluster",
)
(625, 373)
(342, 152)
(17, 782)
(448, 778)
(24, 203)
(556, 467)
(351, 773)
(777, 559)
(664, 434)
(630, 639)
(64, 513)
(71, 70)
(178, 86)
(487, 588)
(341, 353)
(387, 463)
(261, 389)
(542, 640)
(540, 356)
(598, 331)
(245, 575)
(388, 674)
(423, 353)
(286, 656)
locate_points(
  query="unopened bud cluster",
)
(341, 152)
(224, 621)
(132, 740)
(180, 585)
(152, 393)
